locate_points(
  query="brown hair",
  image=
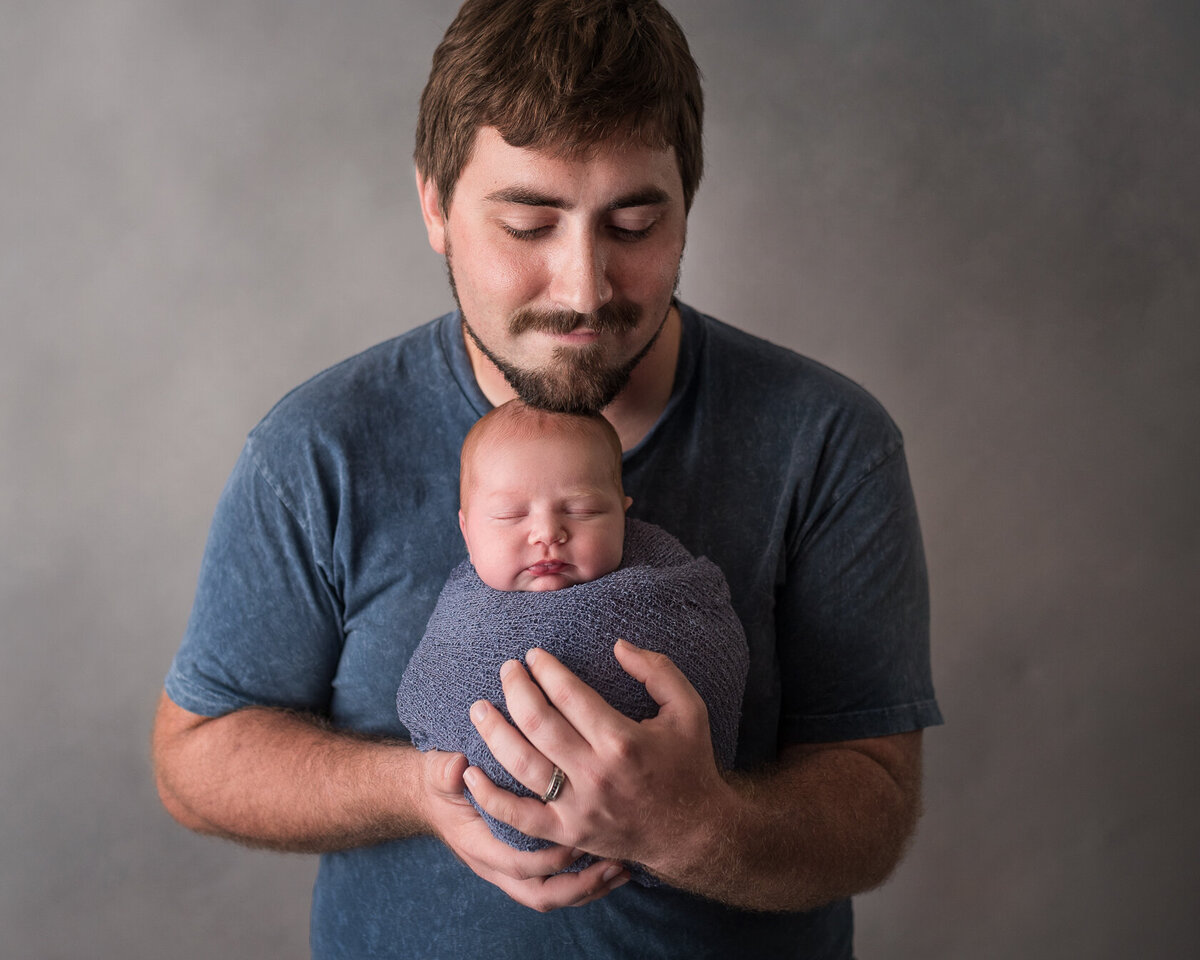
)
(517, 419)
(564, 75)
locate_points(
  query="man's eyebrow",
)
(648, 197)
(526, 197)
(529, 197)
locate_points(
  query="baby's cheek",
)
(606, 558)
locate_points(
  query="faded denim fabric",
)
(338, 527)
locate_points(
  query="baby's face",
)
(543, 514)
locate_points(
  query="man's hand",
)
(531, 878)
(826, 821)
(644, 791)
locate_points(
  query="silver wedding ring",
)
(557, 779)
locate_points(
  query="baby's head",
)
(541, 502)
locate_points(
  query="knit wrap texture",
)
(660, 598)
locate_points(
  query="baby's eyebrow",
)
(585, 495)
(508, 503)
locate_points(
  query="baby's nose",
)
(548, 531)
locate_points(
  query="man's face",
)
(543, 513)
(563, 267)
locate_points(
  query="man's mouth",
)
(618, 318)
(580, 335)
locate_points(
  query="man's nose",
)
(580, 282)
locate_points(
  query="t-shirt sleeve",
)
(855, 615)
(265, 628)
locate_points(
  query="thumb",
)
(448, 769)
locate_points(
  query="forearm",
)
(822, 825)
(276, 779)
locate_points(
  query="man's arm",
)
(282, 780)
(277, 779)
(827, 821)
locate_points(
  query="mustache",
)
(610, 318)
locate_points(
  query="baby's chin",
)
(543, 583)
(526, 582)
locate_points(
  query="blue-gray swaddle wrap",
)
(661, 598)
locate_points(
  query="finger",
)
(444, 772)
(528, 864)
(664, 681)
(542, 721)
(534, 864)
(489, 856)
(511, 750)
(526, 814)
(568, 889)
(588, 714)
(468, 835)
(590, 884)
(452, 771)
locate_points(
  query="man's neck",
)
(636, 408)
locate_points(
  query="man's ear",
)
(628, 502)
(431, 213)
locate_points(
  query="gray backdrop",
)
(984, 212)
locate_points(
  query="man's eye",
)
(630, 235)
(527, 233)
(632, 225)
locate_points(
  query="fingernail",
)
(479, 711)
(610, 873)
(508, 667)
(532, 655)
(471, 777)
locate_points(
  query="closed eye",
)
(626, 235)
(531, 233)
(586, 510)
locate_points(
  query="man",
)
(558, 151)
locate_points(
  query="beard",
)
(578, 379)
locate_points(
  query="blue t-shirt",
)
(338, 527)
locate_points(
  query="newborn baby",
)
(554, 563)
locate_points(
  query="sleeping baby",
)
(554, 563)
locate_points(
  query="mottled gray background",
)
(986, 212)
